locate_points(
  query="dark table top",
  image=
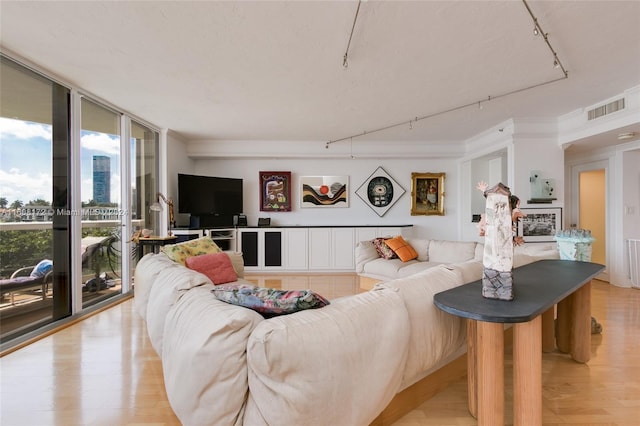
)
(537, 287)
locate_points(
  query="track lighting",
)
(537, 31)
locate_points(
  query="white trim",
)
(76, 200)
(125, 203)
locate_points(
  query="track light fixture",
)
(537, 30)
(345, 58)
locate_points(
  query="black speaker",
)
(240, 220)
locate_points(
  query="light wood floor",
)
(103, 371)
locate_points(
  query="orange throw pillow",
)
(402, 248)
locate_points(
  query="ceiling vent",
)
(603, 110)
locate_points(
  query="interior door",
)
(591, 208)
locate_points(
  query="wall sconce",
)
(156, 207)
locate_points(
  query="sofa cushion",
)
(270, 301)
(411, 268)
(147, 271)
(385, 268)
(339, 365)
(451, 251)
(384, 251)
(365, 252)
(421, 246)
(237, 260)
(216, 266)
(401, 248)
(204, 358)
(435, 334)
(169, 286)
(179, 252)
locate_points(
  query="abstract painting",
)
(380, 191)
(324, 191)
(275, 191)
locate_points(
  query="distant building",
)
(101, 179)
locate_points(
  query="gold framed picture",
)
(427, 194)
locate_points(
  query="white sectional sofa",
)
(340, 364)
(371, 268)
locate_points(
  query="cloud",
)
(18, 185)
(101, 142)
(24, 129)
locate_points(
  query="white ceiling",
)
(274, 70)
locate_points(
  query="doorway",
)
(592, 211)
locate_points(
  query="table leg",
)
(472, 367)
(563, 333)
(581, 324)
(527, 373)
(548, 330)
(490, 373)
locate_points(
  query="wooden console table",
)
(538, 287)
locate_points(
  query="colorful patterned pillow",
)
(199, 246)
(384, 251)
(402, 248)
(181, 251)
(269, 302)
(216, 266)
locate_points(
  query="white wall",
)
(630, 199)
(358, 170)
(177, 162)
(631, 194)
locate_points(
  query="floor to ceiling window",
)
(102, 212)
(26, 200)
(69, 196)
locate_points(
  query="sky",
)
(25, 161)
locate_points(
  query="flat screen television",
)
(210, 197)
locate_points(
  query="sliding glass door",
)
(76, 181)
(34, 172)
(102, 212)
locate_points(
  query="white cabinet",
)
(306, 248)
(261, 248)
(331, 248)
(187, 234)
(343, 248)
(225, 238)
(319, 248)
(296, 249)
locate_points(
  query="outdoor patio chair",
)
(28, 279)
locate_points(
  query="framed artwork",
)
(427, 194)
(380, 191)
(540, 225)
(275, 191)
(324, 191)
